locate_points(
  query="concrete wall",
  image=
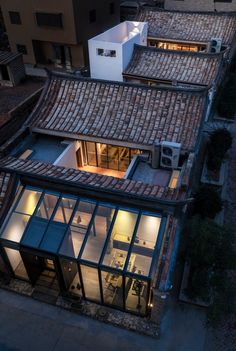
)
(200, 5)
(17, 70)
(121, 39)
(77, 28)
(68, 157)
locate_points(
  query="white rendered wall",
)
(68, 157)
(121, 39)
(103, 67)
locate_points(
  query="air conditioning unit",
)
(214, 46)
(170, 153)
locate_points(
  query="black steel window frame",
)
(107, 155)
(46, 19)
(15, 17)
(100, 267)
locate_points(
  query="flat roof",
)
(44, 148)
(189, 26)
(119, 113)
(178, 66)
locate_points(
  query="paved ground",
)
(28, 325)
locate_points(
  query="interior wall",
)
(68, 157)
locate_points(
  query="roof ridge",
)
(120, 186)
(158, 9)
(60, 75)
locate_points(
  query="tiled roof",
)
(4, 181)
(189, 26)
(112, 111)
(178, 66)
(6, 57)
(96, 182)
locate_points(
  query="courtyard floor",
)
(28, 325)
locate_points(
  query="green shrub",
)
(207, 202)
(219, 143)
(226, 106)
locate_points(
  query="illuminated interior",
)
(181, 46)
(106, 253)
(108, 157)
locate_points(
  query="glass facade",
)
(109, 156)
(104, 252)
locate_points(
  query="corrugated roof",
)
(178, 66)
(189, 26)
(119, 112)
(6, 57)
(96, 182)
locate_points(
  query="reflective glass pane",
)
(47, 206)
(34, 232)
(112, 285)
(144, 244)
(124, 158)
(64, 210)
(91, 154)
(74, 238)
(98, 233)
(53, 237)
(15, 227)
(120, 239)
(71, 276)
(91, 283)
(16, 262)
(28, 201)
(113, 157)
(136, 295)
(102, 155)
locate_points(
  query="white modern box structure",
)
(111, 51)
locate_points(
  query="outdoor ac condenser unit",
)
(214, 46)
(170, 153)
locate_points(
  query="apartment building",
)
(201, 5)
(56, 32)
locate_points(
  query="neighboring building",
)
(187, 31)
(100, 172)
(56, 32)
(170, 67)
(12, 70)
(111, 51)
(201, 5)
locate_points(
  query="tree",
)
(207, 202)
(220, 142)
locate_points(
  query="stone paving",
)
(101, 313)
